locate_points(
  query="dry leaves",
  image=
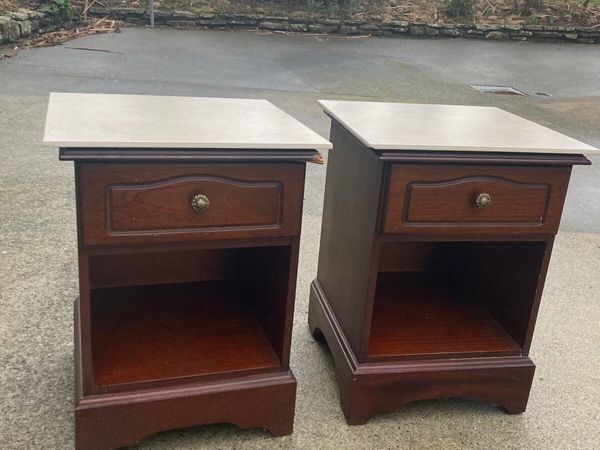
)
(91, 26)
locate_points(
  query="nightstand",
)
(438, 226)
(189, 214)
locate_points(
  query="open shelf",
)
(440, 299)
(160, 316)
(147, 333)
(416, 314)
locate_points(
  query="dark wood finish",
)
(165, 206)
(418, 315)
(478, 158)
(502, 276)
(367, 389)
(508, 278)
(147, 333)
(184, 319)
(420, 294)
(270, 275)
(113, 420)
(442, 198)
(349, 226)
(152, 202)
(147, 268)
(184, 155)
(182, 246)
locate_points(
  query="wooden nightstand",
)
(437, 232)
(189, 214)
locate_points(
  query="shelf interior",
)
(417, 314)
(159, 332)
(191, 313)
(453, 299)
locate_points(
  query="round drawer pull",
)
(200, 203)
(483, 200)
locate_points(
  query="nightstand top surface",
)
(405, 126)
(148, 121)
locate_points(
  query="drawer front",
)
(130, 203)
(450, 199)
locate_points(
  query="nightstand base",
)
(110, 421)
(370, 388)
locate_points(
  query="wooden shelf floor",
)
(416, 316)
(150, 333)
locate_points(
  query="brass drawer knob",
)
(483, 200)
(200, 203)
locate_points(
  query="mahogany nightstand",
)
(189, 213)
(438, 226)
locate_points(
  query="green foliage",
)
(459, 9)
(60, 10)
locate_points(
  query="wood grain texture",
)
(454, 202)
(349, 226)
(110, 421)
(441, 199)
(144, 334)
(408, 256)
(183, 246)
(419, 315)
(83, 304)
(503, 277)
(508, 279)
(270, 275)
(115, 421)
(137, 203)
(367, 389)
(166, 205)
(162, 267)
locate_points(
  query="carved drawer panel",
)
(170, 202)
(474, 199)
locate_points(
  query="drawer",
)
(474, 199)
(141, 203)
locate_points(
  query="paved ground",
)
(37, 227)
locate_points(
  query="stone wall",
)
(26, 23)
(184, 19)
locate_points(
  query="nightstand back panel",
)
(183, 266)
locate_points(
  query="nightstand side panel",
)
(350, 215)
